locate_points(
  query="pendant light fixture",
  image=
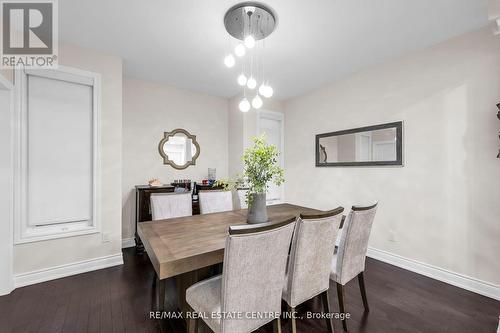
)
(250, 23)
(242, 80)
(244, 105)
(257, 102)
(229, 61)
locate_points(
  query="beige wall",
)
(151, 109)
(6, 227)
(442, 206)
(46, 254)
(8, 74)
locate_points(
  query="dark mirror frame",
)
(399, 145)
(166, 160)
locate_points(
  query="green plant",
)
(226, 184)
(261, 166)
(230, 184)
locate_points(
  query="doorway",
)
(271, 123)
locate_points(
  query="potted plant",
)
(261, 168)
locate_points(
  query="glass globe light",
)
(257, 102)
(269, 91)
(244, 105)
(242, 79)
(266, 90)
(251, 83)
(239, 50)
(229, 61)
(249, 41)
(262, 89)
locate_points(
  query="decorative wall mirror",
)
(179, 149)
(364, 146)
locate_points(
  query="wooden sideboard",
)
(143, 204)
(143, 207)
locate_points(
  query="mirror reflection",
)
(364, 146)
(179, 149)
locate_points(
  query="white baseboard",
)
(128, 242)
(459, 280)
(57, 272)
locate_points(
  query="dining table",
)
(191, 248)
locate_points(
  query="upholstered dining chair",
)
(311, 254)
(241, 198)
(213, 201)
(349, 261)
(170, 205)
(251, 283)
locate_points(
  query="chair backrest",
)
(215, 201)
(353, 244)
(170, 205)
(311, 255)
(254, 272)
(241, 199)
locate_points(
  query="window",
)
(56, 154)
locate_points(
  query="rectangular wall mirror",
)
(364, 146)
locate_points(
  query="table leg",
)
(139, 247)
(160, 294)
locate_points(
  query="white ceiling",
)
(182, 43)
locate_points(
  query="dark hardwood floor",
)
(119, 299)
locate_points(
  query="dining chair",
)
(349, 261)
(170, 205)
(213, 201)
(311, 254)
(241, 198)
(251, 283)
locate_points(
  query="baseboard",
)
(57, 272)
(455, 279)
(128, 242)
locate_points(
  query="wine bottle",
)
(195, 191)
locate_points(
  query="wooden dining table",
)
(188, 248)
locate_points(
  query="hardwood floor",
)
(119, 299)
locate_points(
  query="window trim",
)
(23, 232)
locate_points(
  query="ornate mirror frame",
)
(167, 135)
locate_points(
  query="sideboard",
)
(143, 207)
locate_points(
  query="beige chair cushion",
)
(310, 258)
(170, 205)
(351, 254)
(205, 297)
(215, 201)
(240, 200)
(252, 281)
(333, 273)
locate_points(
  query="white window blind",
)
(59, 151)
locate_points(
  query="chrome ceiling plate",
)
(250, 18)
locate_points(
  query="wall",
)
(6, 230)
(48, 254)
(151, 109)
(7, 74)
(442, 206)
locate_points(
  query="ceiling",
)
(182, 43)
